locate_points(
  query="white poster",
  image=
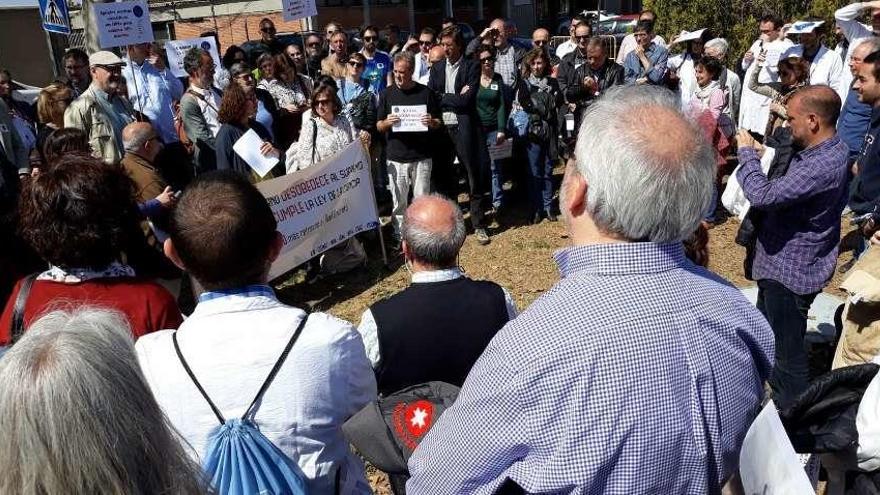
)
(248, 148)
(321, 206)
(410, 118)
(292, 10)
(501, 151)
(767, 461)
(176, 50)
(123, 23)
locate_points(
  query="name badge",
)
(380, 65)
(493, 87)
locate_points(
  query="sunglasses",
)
(487, 60)
(322, 102)
(369, 38)
(585, 37)
(268, 30)
(426, 43)
(314, 43)
(354, 63)
(539, 42)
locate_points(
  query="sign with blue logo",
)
(55, 17)
(123, 23)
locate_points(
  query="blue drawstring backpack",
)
(240, 459)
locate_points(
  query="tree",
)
(736, 20)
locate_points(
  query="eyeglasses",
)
(369, 38)
(585, 37)
(487, 60)
(322, 102)
(426, 42)
(355, 64)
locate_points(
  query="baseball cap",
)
(104, 57)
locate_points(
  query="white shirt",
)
(826, 69)
(683, 64)
(754, 109)
(733, 87)
(150, 93)
(847, 18)
(369, 330)
(629, 44)
(209, 106)
(231, 343)
(868, 425)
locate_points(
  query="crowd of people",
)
(640, 371)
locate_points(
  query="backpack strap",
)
(263, 388)
(24, 289)
(314, 139)
(277, 366)
(195, 381)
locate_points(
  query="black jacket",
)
(540, 107)
(573, 88)
(464, 105)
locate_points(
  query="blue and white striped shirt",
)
(638, 372)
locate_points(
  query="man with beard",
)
(100, 112)
(797, 237)
(314, 55)
(76, 67)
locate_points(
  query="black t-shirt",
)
(408, 146)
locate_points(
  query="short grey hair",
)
(872, 44)
(719, 44)
(137, 138)
(635, 191)
(405, 56)
(78, 417)
(433, 248)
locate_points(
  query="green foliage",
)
(736, 20)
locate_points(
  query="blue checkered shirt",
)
(799, 215)
(638, 372)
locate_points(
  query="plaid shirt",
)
(505, 64)
(799, 225)
(638, 372)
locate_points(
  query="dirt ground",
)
(519, 258)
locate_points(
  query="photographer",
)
(507, 58)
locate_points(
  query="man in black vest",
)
(435, 329)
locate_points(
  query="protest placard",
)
(176, 51)
(123, 23)
(501, 151)
(767, 461)
(321, 206)
(410, 118)
(292, 10)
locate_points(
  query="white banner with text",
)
(319, 207)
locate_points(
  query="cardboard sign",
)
(321, 206)
(123, 23)
(176, 51)
(292, 10)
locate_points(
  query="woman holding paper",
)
(236, 115)
(493, 119)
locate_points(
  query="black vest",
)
(436, 331)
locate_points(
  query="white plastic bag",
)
(733, 198)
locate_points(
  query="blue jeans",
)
(494, 168)
(540, 177)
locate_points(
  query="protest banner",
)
(321, 206)
(292, 10)
(123, 23)
(176, 51)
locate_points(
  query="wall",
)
(23, 47)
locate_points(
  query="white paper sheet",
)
(767, 461)
(410, 118)
(248, 148)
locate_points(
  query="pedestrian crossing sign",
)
(55, 17)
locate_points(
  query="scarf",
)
(79, 275)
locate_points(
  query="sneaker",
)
(482, 236)
(551, 217)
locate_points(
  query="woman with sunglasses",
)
(237, 113)
(493, 118)
(540, 97)
(358, 104)
(267, 110)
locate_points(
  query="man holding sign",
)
(407, 111)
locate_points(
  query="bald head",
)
(541, 38)
(436, 54)
(820, 100)
(140, 138)
(433, 232)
